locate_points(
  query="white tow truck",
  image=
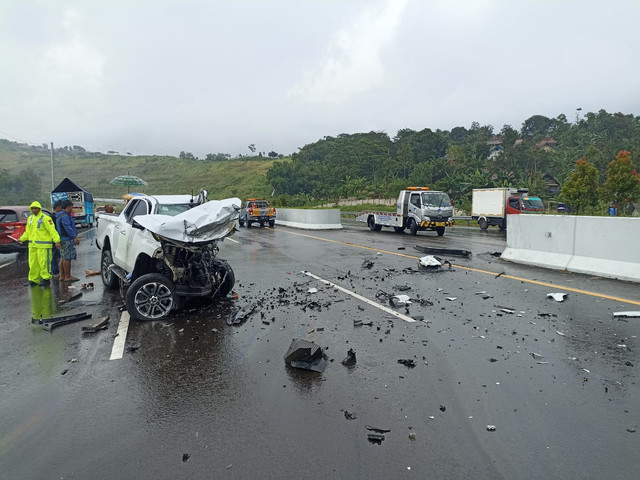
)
(163, 248)
(418, 208)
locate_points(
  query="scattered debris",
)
(536, 355)
(491, 428)
(432, 262)
(358, 323)
(442, 408)
(133, 347)
(407, 362)
(185, 457)
(350, 360)
(241, 314)
(375, 438)
(367, 264)
(500, 274)
(560, 333)
(496, 254)
(443, 251)
(312, 290)
(451, 299)
(86, 286)
(377, 429)
(64, 372)
(101, 324)
(627, 314)
(50, 323)
(400, 300)
(402, 288)
(305, 355)
(412, 435)
(349, 416)
(90, 273)
(558, 297)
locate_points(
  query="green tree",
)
(581, 188)
(623, 181)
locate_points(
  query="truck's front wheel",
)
(440, 231)
(413, 227)
(226, 278)
(483, 224)
(371, 223)
(150, 297)
(109, 279)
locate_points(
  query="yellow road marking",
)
(477, 270)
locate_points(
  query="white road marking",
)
(232, 240)
(7, 264)
(361, 298)
(118, 344)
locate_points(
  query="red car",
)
(13, 221)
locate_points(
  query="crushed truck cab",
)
(418, 209)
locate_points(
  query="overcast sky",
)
(209, 76)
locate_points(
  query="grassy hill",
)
(243, 177)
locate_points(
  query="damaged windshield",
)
(436, 199)
(172, 210)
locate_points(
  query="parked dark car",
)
(13, 220)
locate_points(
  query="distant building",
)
(552, 184)
(548, 145)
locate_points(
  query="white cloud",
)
(353, 63)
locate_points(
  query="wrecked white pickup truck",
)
(162, 249)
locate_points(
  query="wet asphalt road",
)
(193, 397)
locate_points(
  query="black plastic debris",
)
(185, 457)
(375, 438)
(443, 251)
(241, 314)
(407, 362)
(402, 288)
(442, 408)
(377, 429)
(71, 299)
(359, 323)
(305, 355)
(349, 416)
(367, 264)
(350, 360)
(50, 323)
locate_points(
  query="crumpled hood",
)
(207, 222)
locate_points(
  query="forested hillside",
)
(543, 154)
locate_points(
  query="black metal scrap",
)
(443, 251)
(50, 323)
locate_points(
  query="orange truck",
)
(257, 210)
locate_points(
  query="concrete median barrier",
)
(602, 246)
(323, 219)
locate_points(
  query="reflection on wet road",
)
(195, 397)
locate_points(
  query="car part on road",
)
(50, 323)
(305, 355)
(407, 362)
(443, 251)
(241, 314)
(558, 297)
(350, 360)
(627, 314)
(375, 438)
(101, 324)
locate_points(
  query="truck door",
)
(513, 205)
(415, 207)
(126, 233)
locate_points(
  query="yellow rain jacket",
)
(40, 231)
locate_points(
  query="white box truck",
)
(491, 206)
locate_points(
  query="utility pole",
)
(53, 184)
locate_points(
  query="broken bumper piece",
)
(305, 355)
(50, 323)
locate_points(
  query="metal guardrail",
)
(467, 219)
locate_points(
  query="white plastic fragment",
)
(429, 261)
(491, 428)
(401, 300)
(627, 314)
(560, 333)
(312, 290)
(451, 299)
(558, 296)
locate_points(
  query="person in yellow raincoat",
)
(40, 232)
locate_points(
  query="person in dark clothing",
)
(68, 239)
(55, 257)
